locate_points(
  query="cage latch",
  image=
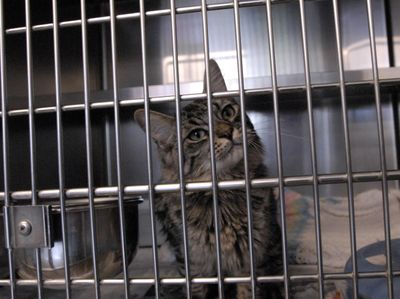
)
(30, 226)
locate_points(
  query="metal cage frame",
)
(314, 180)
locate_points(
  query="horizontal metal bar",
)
(368, 176)
(288, 1)
(201, 280)
(108, 104)
(134, 16)
(151, 13)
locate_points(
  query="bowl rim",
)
(83, 204)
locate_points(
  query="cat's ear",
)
(216, 79)
(163, 126)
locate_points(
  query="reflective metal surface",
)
(221, 39)
(159, 61)
(79, 244)
(30, 226)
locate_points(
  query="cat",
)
(232, 203)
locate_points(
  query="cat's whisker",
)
(270, 121)
(252, 133)
(260, 129)
(256, 146)
(258, 151)
(303, 138)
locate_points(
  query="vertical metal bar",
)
(60, 147)
(114, 63)
(180, 148)
(148, 148)
(394, 98)
(105, 86)
(382, 154)
(392, 63)
(350, 192)
(4, 104)
(104, 53)
(389, 32)
(274, 84)
(212, 152)
(239, 61)
(32, 131)
(89, 154)
(312, 146)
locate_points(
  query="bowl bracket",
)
(29, 226)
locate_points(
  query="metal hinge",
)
(29, 226)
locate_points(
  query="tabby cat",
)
(232, 203)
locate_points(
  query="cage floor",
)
(141, 266)
(138, 268)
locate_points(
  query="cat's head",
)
(228, 140)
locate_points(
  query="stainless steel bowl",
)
(108, 242)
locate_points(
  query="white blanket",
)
(335, 226)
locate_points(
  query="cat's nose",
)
(223, 130)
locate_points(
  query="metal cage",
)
(319, 78)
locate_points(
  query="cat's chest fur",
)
(201, 230)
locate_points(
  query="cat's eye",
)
(228, 112)
(197, 134)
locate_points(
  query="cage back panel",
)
(120, 165)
